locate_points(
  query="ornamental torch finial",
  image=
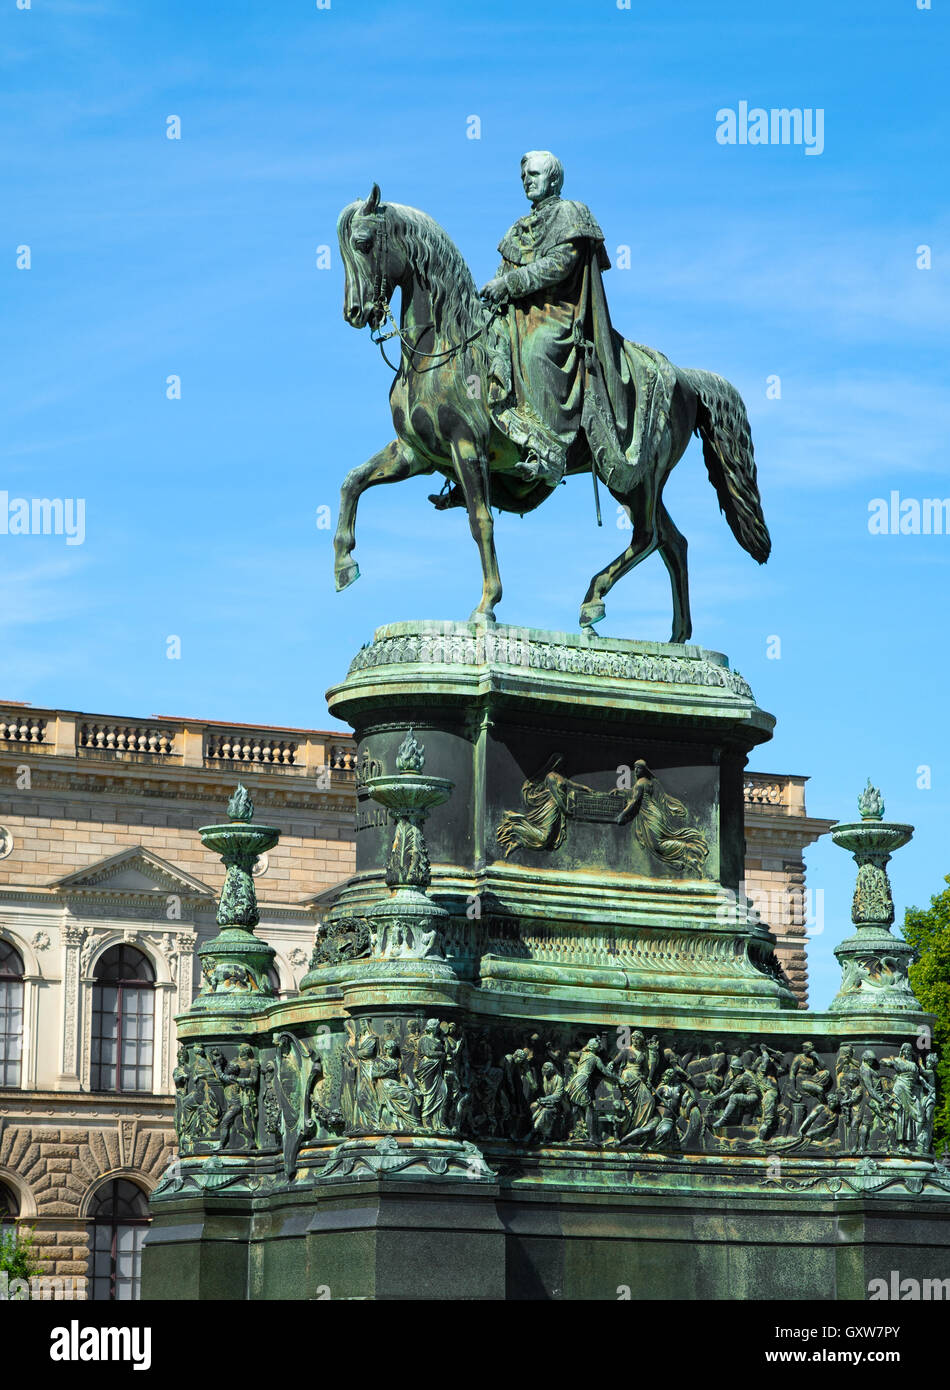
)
(871, 803)
(241, 807)
(411, 755)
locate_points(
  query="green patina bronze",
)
(407, 925)
(873, 961)
(506, 400)
(235, 963)
(871, 803)
(240, 806)
(543, 1048)
(527, 1014)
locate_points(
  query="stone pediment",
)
(134, 872)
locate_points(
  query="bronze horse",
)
(443, 425)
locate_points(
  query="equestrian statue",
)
(507, 391)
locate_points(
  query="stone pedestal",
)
(602, 899)
(542, 1051)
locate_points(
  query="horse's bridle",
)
(381, 303)
(379, 277)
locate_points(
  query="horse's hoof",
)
(347, 575)
(482, 615)
(682, 636)
(592, 613)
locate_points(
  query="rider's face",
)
(536, 180)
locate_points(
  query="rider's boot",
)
(455, 497)
(534, 469)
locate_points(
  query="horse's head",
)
(386, 246)
(369, 256)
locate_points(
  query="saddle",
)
(644, 379)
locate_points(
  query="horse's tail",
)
(723, 426)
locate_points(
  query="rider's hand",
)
(495, 292)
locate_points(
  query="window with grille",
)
(11, 1014)
(123, 1021)
(120, 1219)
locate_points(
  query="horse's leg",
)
(641, 507)
(471, 471)
(672, 543)
(672, 547)
(390, 465)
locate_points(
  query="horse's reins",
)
(444, 356)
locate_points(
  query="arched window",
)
(123, 1021)
(9, 1205)
(120, 1218)
(11, 1014)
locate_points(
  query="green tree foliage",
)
(16, 1253)
(928, 931)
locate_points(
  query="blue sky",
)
(196, 257)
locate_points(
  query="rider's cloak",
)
(568, 369)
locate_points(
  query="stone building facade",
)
(105, 894)
(777, 831)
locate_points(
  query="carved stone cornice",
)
(787, 834)
(40, 1106)
(147, 907)
(182, 784)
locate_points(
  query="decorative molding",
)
(303, 794)
(519, 648)
(165, 876)
(145, 908)
(71, 938)
(171, 952)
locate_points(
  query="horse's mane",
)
(437, 262)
